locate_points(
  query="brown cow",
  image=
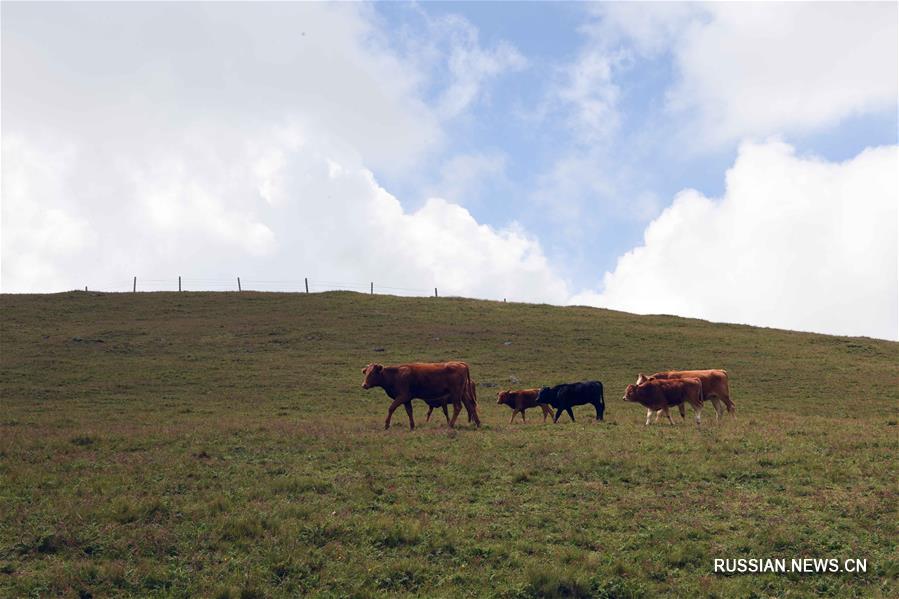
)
(441, 383)
(521, 400)
(715, 386)
(659, 394)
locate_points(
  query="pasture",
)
(220, 444)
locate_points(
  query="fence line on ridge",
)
(238, 284)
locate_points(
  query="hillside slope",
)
(220, 443)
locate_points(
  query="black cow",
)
(564, 397)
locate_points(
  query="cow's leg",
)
(719, 410)
(430, 409)
(512, 419)
(457, 407)
(393, 406)
(683, 411)
(546, 411)
(445, 413)
(668, 415)
(697, 410)
(556, 417)
(649, 413)
(730, 405)
(570, 413)
(598, 413)
(408, 406)
(658, 414)
(523, 419)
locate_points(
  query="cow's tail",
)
(728, 403)
(698, 408)
(472, 399)
(727, 400)
(601, 406)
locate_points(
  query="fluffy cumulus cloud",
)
(121, 77)
(332, 212)
(256, 163)
(760, 69)
(285, 207)
(755, 69)
(42, 228)
(796, 242)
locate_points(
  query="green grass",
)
(220, 444)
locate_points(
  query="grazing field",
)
(220, 444)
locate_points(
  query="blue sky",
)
(557, 152)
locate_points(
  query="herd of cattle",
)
(442, 384)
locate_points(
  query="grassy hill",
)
(220, 444)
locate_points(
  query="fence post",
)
(307, 283)
(179, 283)
(435, 292)
(134, 288)
(372, 288)
(238, 284)
(85, 287)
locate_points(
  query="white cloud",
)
(471, 65)
(330, 221)
(41, 228)
(650, 28)
(756, 69)
(591, 94)
(454, 65)
(214, 141)
(797, 243)
(352, 227)
(123, 76)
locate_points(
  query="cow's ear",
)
(377, 368)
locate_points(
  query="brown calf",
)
(659, 394)
(521, 400)
(715, 386)
(436, 403)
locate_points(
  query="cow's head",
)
(373, 376)
(630, 394)
(642, 378)
(503, 398)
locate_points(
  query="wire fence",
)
(305, 285)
